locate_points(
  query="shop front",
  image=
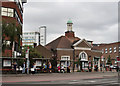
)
(96, 63)
(65, 61)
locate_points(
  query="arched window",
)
(83, 56)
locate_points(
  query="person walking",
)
(68, 69)
(15, 67)
(62, 69)
(23, 71)
(50, 66)
(34, 66)
(59, 68)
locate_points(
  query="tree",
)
(33, 54)
(12, 31)
(109, 62)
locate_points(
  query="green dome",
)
(69, 21)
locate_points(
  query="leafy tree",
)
(109, 62)
(33, 54)
(12, 31)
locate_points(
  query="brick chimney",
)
(69, 34)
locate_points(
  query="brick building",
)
(74, 52)
(12, 12)
(46, 56)
(110, 50)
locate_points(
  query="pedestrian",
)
(50, 66)
(34, 67)
(23, 71)
(62, 69)
(59, 68)
(68, 69)
(15, 67)
(45, 67)
(117, 68)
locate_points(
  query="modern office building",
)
(30, 38)
(42, 31)
(12, 15)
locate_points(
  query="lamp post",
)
(118, 66)
(39, 35)
(103, 59)
(27, 56)
(67, 64)
(73, 59)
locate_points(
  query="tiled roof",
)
(43, 51)
(62, 42)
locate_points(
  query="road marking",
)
(74, 80)
(91, 81)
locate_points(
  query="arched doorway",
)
(83, 58)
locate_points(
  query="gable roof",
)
(80, 41)
(43, 51)
(62, 42)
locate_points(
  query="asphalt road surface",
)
(72, 79)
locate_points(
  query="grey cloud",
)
(90, 19)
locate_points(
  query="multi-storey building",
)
(29, 38)
(42, 35)
(12, 12)
(111, 50)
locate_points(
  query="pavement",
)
(74, 79)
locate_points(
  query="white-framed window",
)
(119, 48)
(4, 11)
(106, 50)
(7, 12)
(65, 57)
(110, 50)
(102, 51)
(38, 63)
(12, 0)
(115, 49)
(65, 61)
(6, 63)
(83, 56)
(10, 12)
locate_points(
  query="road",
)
(66, 79)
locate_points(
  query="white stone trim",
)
(81, 48)
(96, 51)
(81, 41)
(85, 54)
(63, 49)
(65, 59)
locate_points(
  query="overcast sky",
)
(96, 21)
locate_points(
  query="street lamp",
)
(67, 64)
(103, 59)
(73, 58)
(118, 60)
(28, 61)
